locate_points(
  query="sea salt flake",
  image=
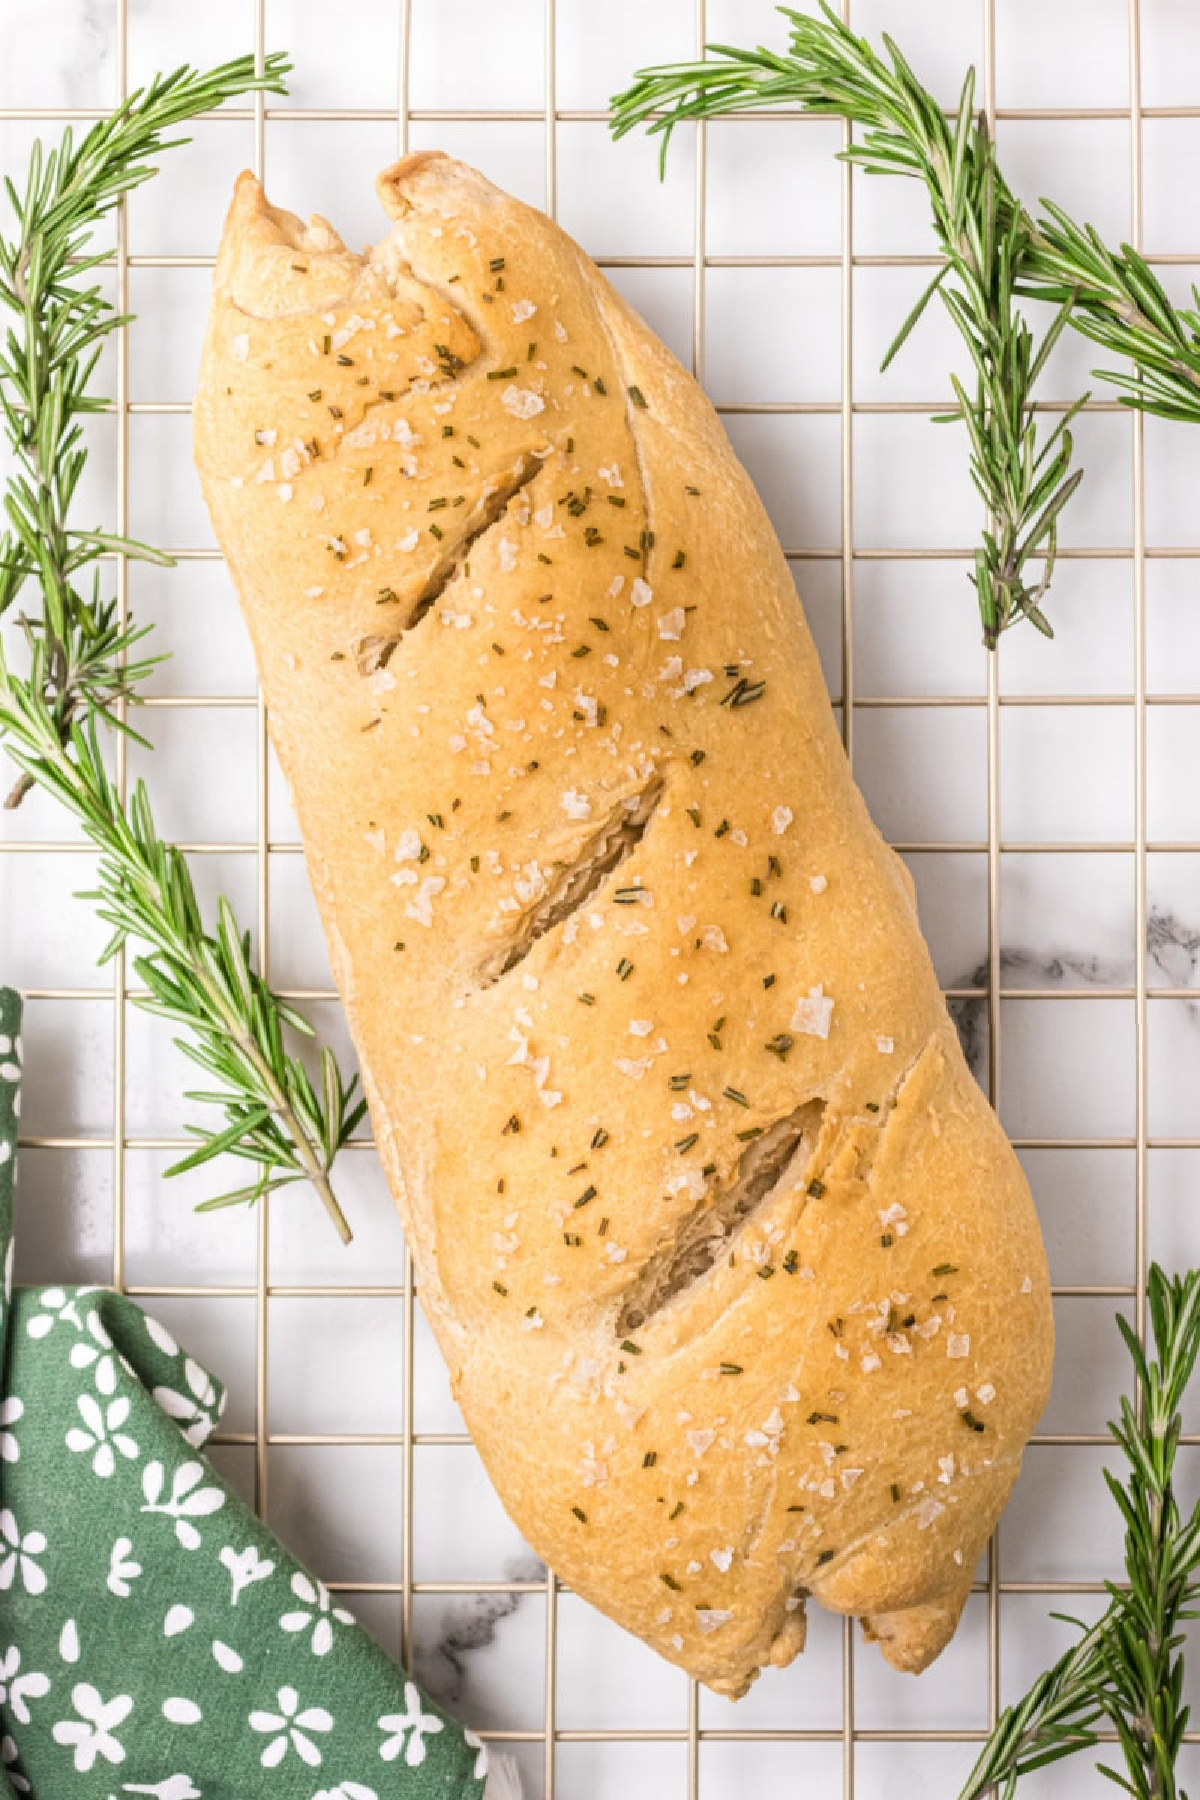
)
(522, 310)
(958, 1344)
(641, 593)
(420, 907)
(885, 1045)
(711, 1618)
(671, 624)
(721, 1559)
(522, 403)
(818, 883)
(575, 804)
(813, 1013)
(781, 818)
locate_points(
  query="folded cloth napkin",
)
(155, 1639)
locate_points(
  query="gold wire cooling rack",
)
(542, 1745)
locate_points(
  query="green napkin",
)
(155, 1639)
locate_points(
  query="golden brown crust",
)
(739, 1282)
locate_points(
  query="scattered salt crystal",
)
(986, 1394)
(522, 403)
(781, 818)
(633, 1066)
(958, 1344)
(575, 804)
(818, 883)
(420, 907)
(885, 1045)
(409, 541)
(522, 310)
(711, 1618)
(721, 1559)
(641, 593)
(641, 1027)
(671, 624)
(813, 1013)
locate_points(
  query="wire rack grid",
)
(544, 1747)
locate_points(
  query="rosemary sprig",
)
(84, 656)
(1127, 1670)
(1117, 300)
(1024, 479)
(47, 361)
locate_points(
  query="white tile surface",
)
(336, 1364)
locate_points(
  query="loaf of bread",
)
(739, 1282)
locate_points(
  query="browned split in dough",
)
(775, 1160)
(374, 652)
(576, 882)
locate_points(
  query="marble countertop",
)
(1069, 733)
